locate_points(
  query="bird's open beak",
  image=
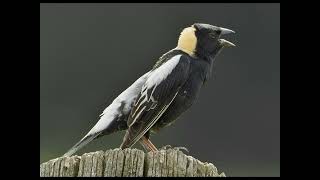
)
(226, 43)
(226, 31)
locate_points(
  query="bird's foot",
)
(166, 147)
(181, 148)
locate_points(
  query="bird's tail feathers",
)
(84, 141)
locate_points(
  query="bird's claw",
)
(181, 148)
(166, 147)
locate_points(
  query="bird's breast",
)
(182, 102)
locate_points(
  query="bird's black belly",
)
(184, 99)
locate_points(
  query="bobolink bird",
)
(161, 95)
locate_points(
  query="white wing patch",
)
(126, 98)
(153, 80)
(161, 73)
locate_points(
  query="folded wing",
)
(159, 90)
(114, 117)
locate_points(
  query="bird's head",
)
(203, 39)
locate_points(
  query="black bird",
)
(161, 95)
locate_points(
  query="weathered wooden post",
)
(129, 163)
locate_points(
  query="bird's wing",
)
(159, 90)
(114, 116)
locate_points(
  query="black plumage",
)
(160, 96)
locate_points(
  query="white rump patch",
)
(127, 98)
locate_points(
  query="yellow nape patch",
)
(188, 41)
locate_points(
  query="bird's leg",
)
(145, 147)
(147, 143)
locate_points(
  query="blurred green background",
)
(90, 53)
